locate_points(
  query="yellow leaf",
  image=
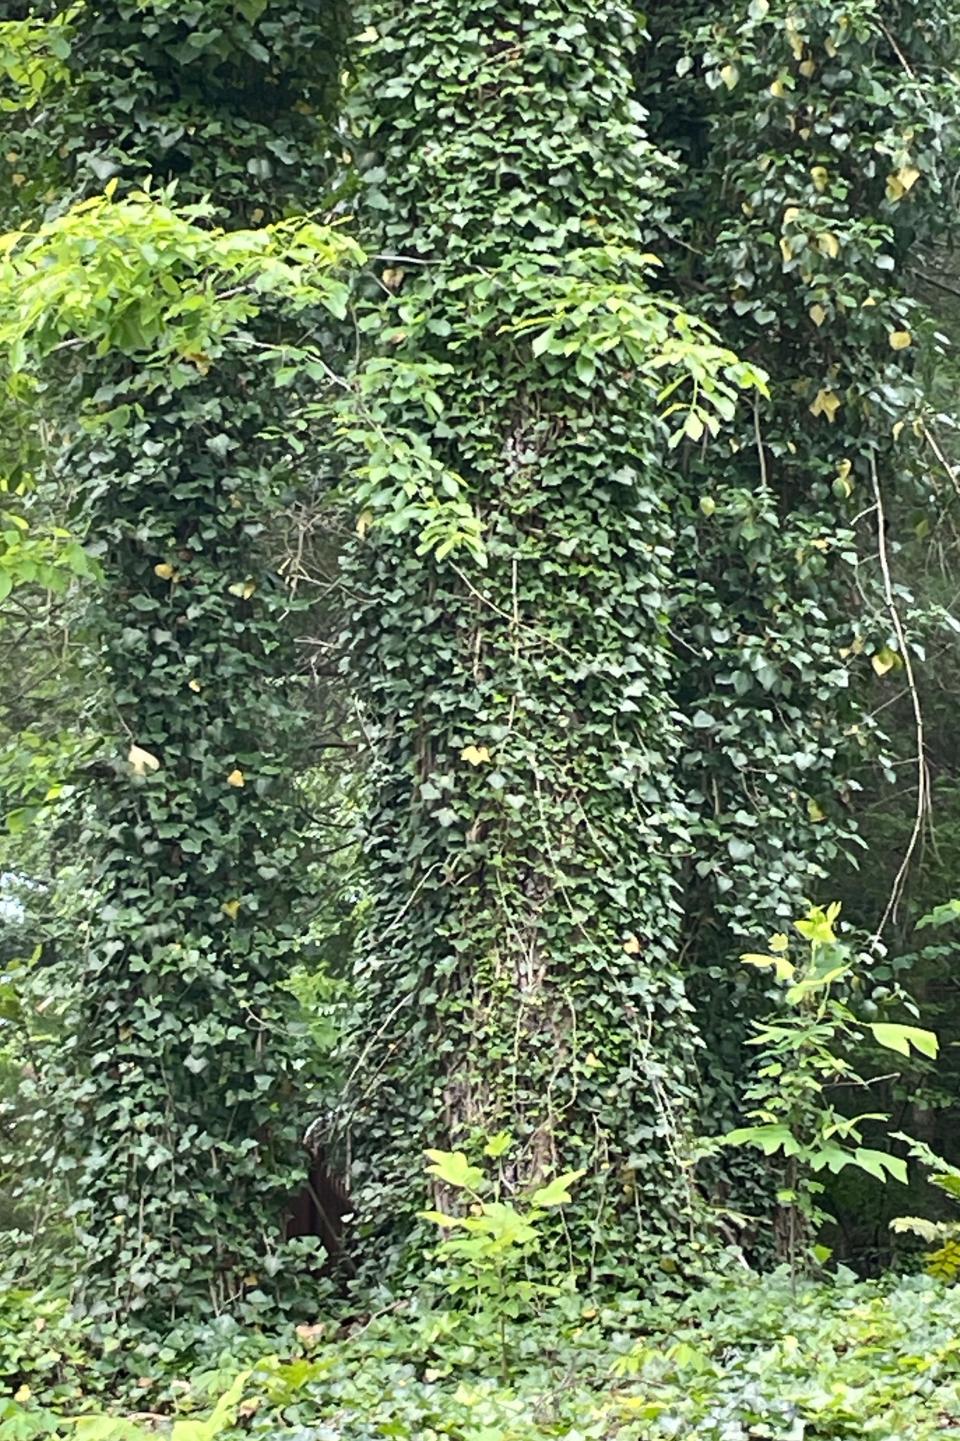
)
(392, 277)
(235, 778)
(243, 589)
(729, 75)
(828, 244)
(142, 761)
(885, 660)
(815, 811)
(199, 359)
(195, 685)
(777, 90)
(817, 314)
(785, 250)
(826, 403)
(230, 908)
(901, 181)
(807, 69)
(791, 214)
(779, 942)
(164, 570)
(364, 521)
(899, 339)
(632, 945)
(819, 177)
(783, 969)
(476, 755)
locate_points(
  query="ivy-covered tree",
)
(147, 338)
(527, 832)
(815, 146)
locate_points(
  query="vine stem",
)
(923, 786)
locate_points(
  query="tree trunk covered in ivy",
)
(173, 1091)
(814, 143)
(527, 835)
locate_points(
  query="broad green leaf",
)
(454, 1168)
(901, 1038)
(557, 1191)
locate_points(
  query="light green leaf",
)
(557, 1191)
(901, 1038)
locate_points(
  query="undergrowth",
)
(747, 1357)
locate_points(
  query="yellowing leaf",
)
(815, 811)
(632, 945)
(808, 69)
(828, 244)
(826, 403)
(899, 339)
(729, 74)
(885, 660)
(195, 685)
(820, 177)
(142, 761)
(791, 214)
(231, 908)
(779, 942)
(901, 181)
(817, 314)
(782, 968)
(392, 277)
(785, 249)
(236, 778)
(778, 90)
(364, 522)
(243, 589)
(164, 570)
(475, 755)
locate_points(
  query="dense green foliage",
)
(478, 520)
(745, 1359)
(147, 343)
(527, 836)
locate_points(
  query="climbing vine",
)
(526, 835)
(814, 144)
(146, 327)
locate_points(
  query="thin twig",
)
(897, 51)
(899, 879)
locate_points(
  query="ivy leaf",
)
(142, 761)
(885, 660)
